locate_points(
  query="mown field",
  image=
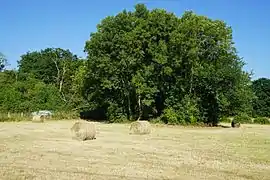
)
(47, 151)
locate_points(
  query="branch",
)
(58, 71)
(62, 79)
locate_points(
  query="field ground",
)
(47, 151)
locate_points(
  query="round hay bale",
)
(37, 118)
(140, 127)
(83, 130)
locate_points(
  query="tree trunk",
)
(129, 109)
(140, 108)
(62, 79)
(58, 71)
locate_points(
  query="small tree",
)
(52, 66)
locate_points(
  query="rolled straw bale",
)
(140, 127)
(83, 130)
(38, 118)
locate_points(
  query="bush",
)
(14, 117)
(225, 120)
(156, 121)
(243, 119)
(65, 115)
(184, 112)
(261, 120)
(170, 116)
(115, 114)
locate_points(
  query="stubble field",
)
(47, 151)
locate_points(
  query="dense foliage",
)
(261, 105)
(141, 65)
(261, 120)
(151, 63)
(28, 95)
(45, 80)
(243, 119)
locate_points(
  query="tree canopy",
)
(54, 66)
(261, 105)
(147, 63)
(49, 65)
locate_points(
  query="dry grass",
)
(46, 151)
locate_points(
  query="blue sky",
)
(28, 25)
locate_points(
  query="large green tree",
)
(52, 66)
(148, 63)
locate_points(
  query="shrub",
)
(185, 112)
(65, 115)
(200, 124)
(14, 117)
(156, 121)
(189, 111)
(225, 120)
(261, 120)
(170, 116)
(114, 114)
(243, 119)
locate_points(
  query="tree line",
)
(141, 64)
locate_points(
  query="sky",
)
(32, 25)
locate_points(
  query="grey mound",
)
(140, 127)
(83, 130)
